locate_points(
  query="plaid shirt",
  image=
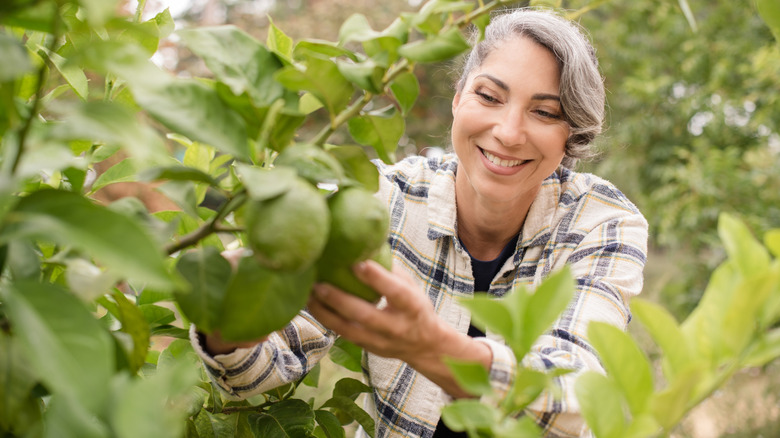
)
(577, 219)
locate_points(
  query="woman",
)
(505, 210)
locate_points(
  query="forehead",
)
(521, 59)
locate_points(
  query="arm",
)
(284, 357)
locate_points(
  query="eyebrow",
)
(503, 85)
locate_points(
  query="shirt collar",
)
(442, 214)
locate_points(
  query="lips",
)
(500, 161)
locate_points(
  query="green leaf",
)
(113, 124)
(600, 401)
(466, 415)
(86, 280)
(350, 388)
(263, 183)
(17, 380)
(67, 347)
(746, 314)
(69, 71)
(278, 42)
(322, 78)
(772, 241)
(157, 315)
(210, 425)
(438, 47)
(312, 377)
(380, 131)
(347, 406)
(527, 386)
(313, 48)
(357, 166)
(356, 28)
(68, 417)
(238, 60)
(346, 354)
(135, 326)
(524, 427)
(153, 406)
(366, 74)
(330, 424)
(749, 255)
(670, 405)
(311, 162)
(770, 13)
(493, 315)
(287, 419)
(16, 61)
(259, 301)
(177, 173)
(545, 305)
(625, 363)
(208, 274)
(97, 12)
(123, 171)
(405, 88)
(472, 377)
(666, 332)
(113, 239)
(194, 109)
(764, 349)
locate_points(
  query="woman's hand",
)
(407, 328)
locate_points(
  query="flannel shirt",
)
(576, 219)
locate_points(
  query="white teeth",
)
(499, 162)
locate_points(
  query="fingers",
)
(397, 287)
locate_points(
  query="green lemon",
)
(343, 278)
(358, 227)
(288, 232)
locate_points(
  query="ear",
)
(455, 101)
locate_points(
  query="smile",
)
(501, 162)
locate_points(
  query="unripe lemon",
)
(358, 227)
(345, 279)
(288, 232)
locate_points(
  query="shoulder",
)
(588, 190)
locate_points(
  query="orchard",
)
(97, 295)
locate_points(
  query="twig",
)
(209, 227)
(36, 103)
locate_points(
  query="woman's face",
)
(508, 128)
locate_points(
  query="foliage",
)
(733, 327)
(692, 128)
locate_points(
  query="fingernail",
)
(320, 290)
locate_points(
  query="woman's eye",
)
(548, 115)
(486, 97)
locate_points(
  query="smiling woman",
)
(504, 211)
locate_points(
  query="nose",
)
(510, 128)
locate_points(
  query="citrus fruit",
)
(344, 278)
(288, 232)
(358, 226)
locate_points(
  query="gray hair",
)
(581, 84)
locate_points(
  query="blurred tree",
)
(693, 127)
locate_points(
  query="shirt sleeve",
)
(285, 357)
(607, 264)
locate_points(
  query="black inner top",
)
(484, 272)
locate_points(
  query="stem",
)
(208, 228)
(351, 111)
(36, 103)
(139, 10)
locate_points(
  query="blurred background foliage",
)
(693, 121)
